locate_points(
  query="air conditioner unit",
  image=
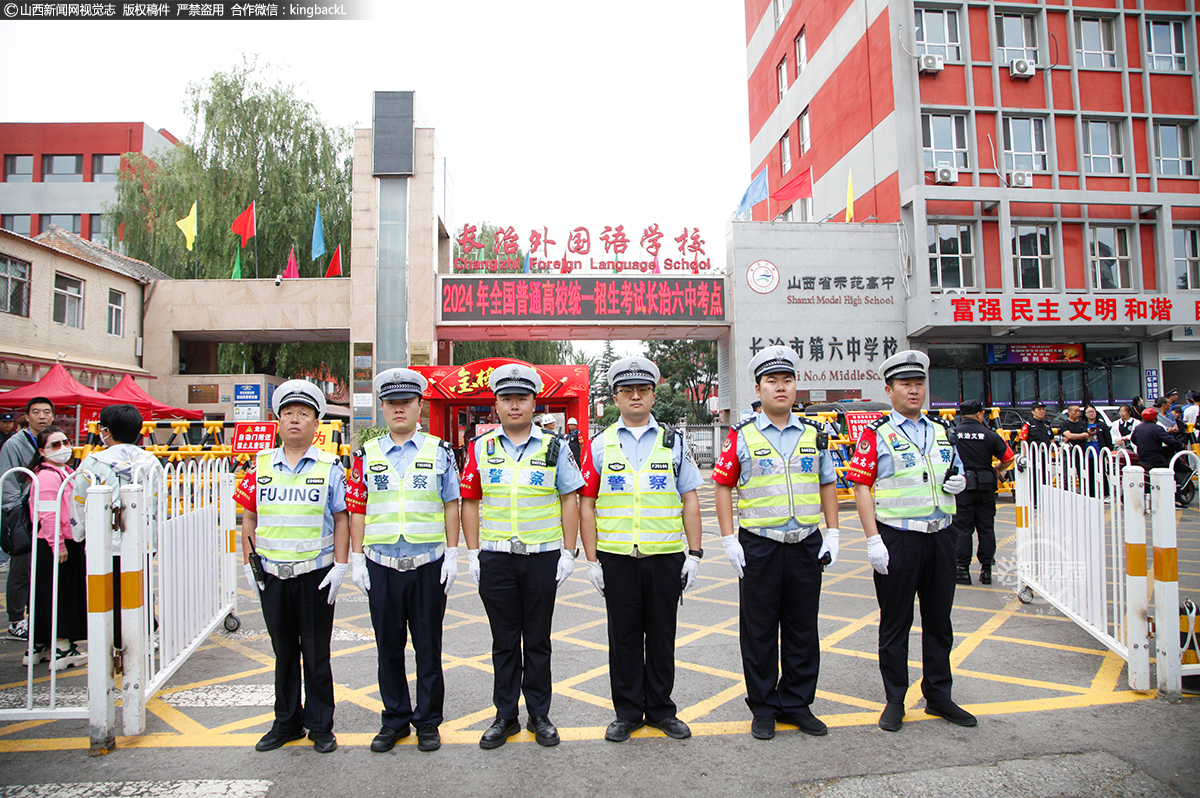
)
(927, 64)
(947, 174)
(1021, 180)
(1021, 68)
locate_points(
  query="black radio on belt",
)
(256, 568)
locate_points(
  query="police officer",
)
(1038, 429)
(638, 505)
(785, 477)
(977, 444)
(912, 465)
(403, 501)
(8, 425)
(520, 517)
(294, 518)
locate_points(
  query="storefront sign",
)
(579, 252)
(251, 438)
(1035, 353)
(1152, 388)
(858, 420)
(247, 393)
(1087, 309)
(559, 299)
(471, 380)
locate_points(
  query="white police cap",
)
(400, 384)
(514, 378)
(773, 360)
(906, 364)
(298, 392)
(632, 370)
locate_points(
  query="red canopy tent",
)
(129, 392)
(65, 392)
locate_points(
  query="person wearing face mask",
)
(57, 548)
(18, 450)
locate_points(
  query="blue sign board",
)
(1151, 385)
(247, 394)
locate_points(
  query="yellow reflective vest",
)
(519, 499)
(638, 508)
(291, 509)
(915, 489)
(409, 505)
(780, 488)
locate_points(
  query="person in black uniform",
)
(1155, 446)
(977, 444)
(1038, 429)
(8, 425)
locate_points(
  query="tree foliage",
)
(690, 368)
(539, 353)
(252, 139)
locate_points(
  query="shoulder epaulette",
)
(445, 445)
(326, 457)
(744, 423)
(877, 423)
(361, 452)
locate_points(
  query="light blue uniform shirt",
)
(445, 472)
(335, 497)
(567, 478)
(923, 435)
(784, 442)
(637, 450)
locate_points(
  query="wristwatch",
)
(697, 553)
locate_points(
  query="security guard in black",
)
(1038, 430)
(977, 444)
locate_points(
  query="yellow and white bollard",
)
(1133, 481)
(1166, 583)
(102, 706)
(133, 611)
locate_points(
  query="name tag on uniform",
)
(944, 442)
(495, 460)
(539, 463)
(377, 467)
(315, 481)
(660, 466)
(423, 464)
(807, 450)
(761, 452)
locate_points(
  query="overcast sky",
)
(552, 114)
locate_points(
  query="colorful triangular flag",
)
(237, 266)
(849, 196)
(335, 263)
(318, 241)
(526, 269)
(292, 272)
(657, 268)
(245, 224)
(756, 192)
(188, 225)
(799, 187)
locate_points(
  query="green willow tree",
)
(252, 139)
(690, 368)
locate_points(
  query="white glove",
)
(334, 579)
(596, 575)
(733, 550)
(830, 545)
(877, 553)
(450, 567)
(358, 571)
(254, 588)
(566, 564)
(955, 485)
(690, 566)
(473, 565)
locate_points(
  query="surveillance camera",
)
(278, 279)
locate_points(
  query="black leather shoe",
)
(323, 742)
(951, 712)
(963, 577)
(673, 727)
(543, 730)
(428, 737)
(498, 733)
(985, 576)
(892, 718)
(387, 737)
(807, 723)
(276, 739)
(762, 727)
(619, 730)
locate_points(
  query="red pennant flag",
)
(335, 264)
(245, 225)
(799, 187)
(121, 231)
(292, 272)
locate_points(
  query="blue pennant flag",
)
(756, 193)
(318, 242)
(526, 263)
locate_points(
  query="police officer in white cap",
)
(910, 462)
(785, 478)
(403, 501)
(520, 518)
(640, 524)
(295, 521)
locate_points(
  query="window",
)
(1187, 258)
(1016, 38)
(1102, 148)
(1033, 259)
(785, 154)
(937, 33)
(1095, 46)
(18, 168)
(101, 228)
(16, 222)
(1112, 267)
(951, 256)
(944, 138)
(1024, 144)
(1173, 149)
(1167, 53)
(780, 8)
(116, 313)
(104, 168)
(781, 77)
(806, 133)
(801, 52)
(67, 221)
(62, 168)
(14, 282)
(68, 301)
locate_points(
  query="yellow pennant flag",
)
(849, 196)
(188, 225)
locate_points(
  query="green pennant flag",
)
(237, 266)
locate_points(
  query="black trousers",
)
(16, 594)
(642, 597)
(72, 593)
(300, 621)
(920, 565)
(518, 592)
(780, 595)
(976, 513)
(402, 603)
